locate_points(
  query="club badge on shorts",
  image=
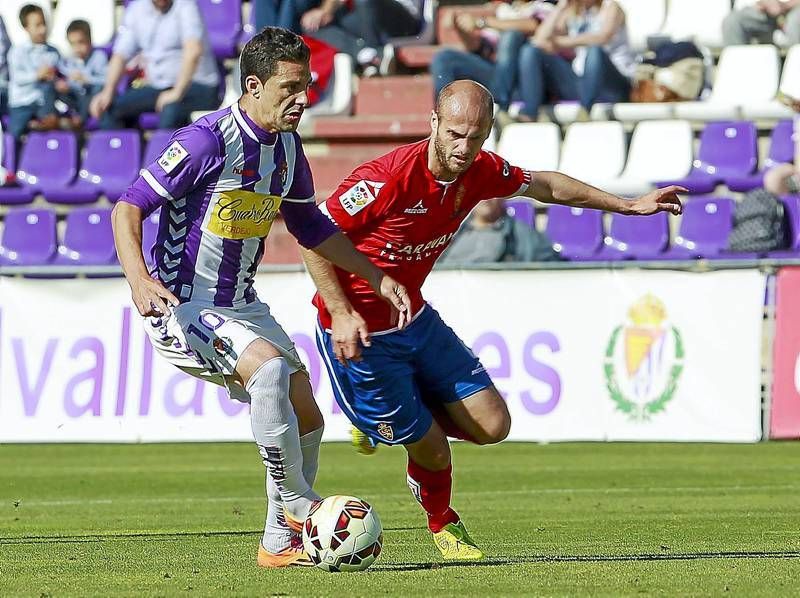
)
(386, 431)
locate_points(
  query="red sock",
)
(432, 489)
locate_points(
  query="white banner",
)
(579, 355)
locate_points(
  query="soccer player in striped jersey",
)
(418, 385)
(220, 183)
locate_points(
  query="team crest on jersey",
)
(283, 172)
(386, 431)
(174, 155)
(359, 196)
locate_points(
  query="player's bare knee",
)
(495, 430)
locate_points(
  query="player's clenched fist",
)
(151, 297)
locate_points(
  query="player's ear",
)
(253, 86)
(434, 121)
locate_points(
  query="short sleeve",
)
(361, 200)
(302, 189)
(126, 44)
(192, 27)
(499, 178)
(192, 154)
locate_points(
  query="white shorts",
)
(207, 341)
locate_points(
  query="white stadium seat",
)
(700, 20)
(643, 18)
(338, 98)
(532, 146)
(790, 86)
(9, 10)
(570, 112)
(594, 151)
(98, 13)
(745, 75)
(660, 150)
(635, 112)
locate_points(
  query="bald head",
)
(465, 98)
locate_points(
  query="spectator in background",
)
(180, 73)
(492, 48)
(361, 28)
(84, 71)
(5, 44)
(281, 13)
(603, 67)
(491, 235)
(760, 22)
(32, 73)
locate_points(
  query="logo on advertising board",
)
(644, 361)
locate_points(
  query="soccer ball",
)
(342, 533)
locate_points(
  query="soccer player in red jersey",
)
(415, 382)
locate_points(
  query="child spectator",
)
(32, 73)
(84, 71)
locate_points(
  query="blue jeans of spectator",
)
(20, 116)
(282, 13)
(542, 74)
(128, 106)
(79, 101)
(499, 77)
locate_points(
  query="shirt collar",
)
(251, 128)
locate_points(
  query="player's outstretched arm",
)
(555, 187)
(149, 295)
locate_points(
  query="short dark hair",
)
(28, 10)
(80, 26)
(260, 56)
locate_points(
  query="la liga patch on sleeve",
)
(359, 196)
(174, 155)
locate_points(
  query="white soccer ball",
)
(342, 533)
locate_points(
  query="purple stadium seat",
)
(49, 161)
(156, 145)
(88, 239)
(249, 28)
(781, 151)
(148, 121)
(523, 211)
(110, 165)
(727, 150)
(576, 233)
(149, 234)
(704, 229)
(223, 19)
(29, 238)
(635, 237)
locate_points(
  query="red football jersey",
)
(402, 218)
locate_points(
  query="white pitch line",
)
(499, 492)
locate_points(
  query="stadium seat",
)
(29, 238)
(100, 19)
(781, 151)
(659, 150)
(635, 237)
(223, 19)
(110, 164)
(705, 226)
(9, 11)
(576, 233)
(727, 150)
(338, 97)
(88, 239)
(159, 139)
(523, 211)
(567, 113)
(643, 18)
(746, 75)
(790, 86)
(700, 21)
(533, 146)
(48, 161)
(149, 235)
(593, 151)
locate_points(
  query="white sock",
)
(274, 426)
(277, 535)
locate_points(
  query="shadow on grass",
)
(146, 536)
(588, 558)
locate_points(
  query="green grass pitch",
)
(560, 519)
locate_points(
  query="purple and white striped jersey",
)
(220, 184)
